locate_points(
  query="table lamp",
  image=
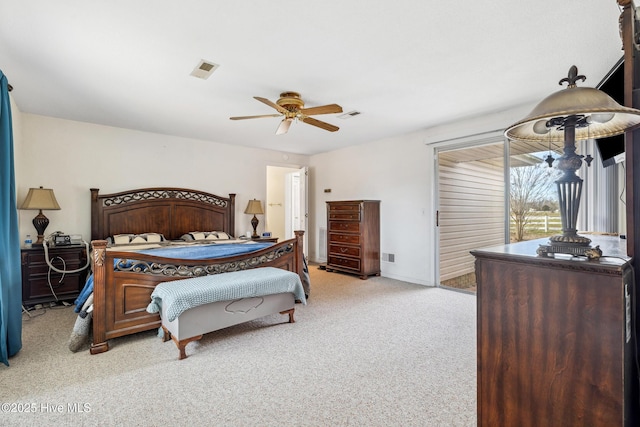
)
(39, 199)
(254, 207)
(574, 113)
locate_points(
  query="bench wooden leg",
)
(181, 344)
(290, 313)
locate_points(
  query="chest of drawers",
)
(555, 338)
(353, 237)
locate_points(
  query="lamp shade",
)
(254, 207)
(40, 198)
(597, 115)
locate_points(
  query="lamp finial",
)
(572, 77)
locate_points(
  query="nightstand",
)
(265, 239)
(36, 274)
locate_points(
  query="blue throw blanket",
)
(180, 295)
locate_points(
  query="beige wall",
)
(395, 171)
(72, 157)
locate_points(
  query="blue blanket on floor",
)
(177, 296)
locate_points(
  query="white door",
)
(296, 205)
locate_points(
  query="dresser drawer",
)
(353, 239)
(350, 263)
(35, 257)
(39, 287)
(344, 250)
(42, 268)
(348, 226)
(345, 215)
(353, 207)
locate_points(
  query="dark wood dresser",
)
(36, 274)
(353, 237)
(555, 337)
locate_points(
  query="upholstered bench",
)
(192, 307)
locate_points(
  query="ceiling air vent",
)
(349, 114)
(204, 69)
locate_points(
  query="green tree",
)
(531, 186)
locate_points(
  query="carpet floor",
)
(376, 352)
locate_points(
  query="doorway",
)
(287, 206)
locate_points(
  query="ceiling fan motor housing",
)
(290, 100)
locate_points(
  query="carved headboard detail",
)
(169, 211)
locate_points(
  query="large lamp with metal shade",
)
(570, 115)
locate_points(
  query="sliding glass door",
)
(471, 210)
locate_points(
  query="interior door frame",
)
(296, 202)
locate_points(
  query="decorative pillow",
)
(121, 239)
(205, 235)
(126, 239)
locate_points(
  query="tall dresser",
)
(353, 237)
(555, 338)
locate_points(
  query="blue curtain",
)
(10, 273)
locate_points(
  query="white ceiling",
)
(406, 65)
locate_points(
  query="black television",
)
(611, 149)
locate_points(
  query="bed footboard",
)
(120, 297)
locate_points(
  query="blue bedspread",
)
(216, 250)
(192, 252)
(180, 295)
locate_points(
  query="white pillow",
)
(154, 237)
(121, 239)
(125, 239)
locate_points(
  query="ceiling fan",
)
(291, 107)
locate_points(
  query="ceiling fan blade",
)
(285, 124)
(318, 123)
(323, 109)
(271, 104)
(255, 117)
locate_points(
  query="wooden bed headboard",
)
(170, 211)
